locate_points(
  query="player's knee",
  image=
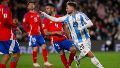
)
(90, 54)
(61, 52)
(7, 56)
(16, 55)
(43, 46)
(73, 49)
(35, 48)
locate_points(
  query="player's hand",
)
(59, 33)
(18, 29)
(41, 12)
(15, 21)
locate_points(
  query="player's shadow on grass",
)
(41, 67)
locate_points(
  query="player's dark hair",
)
(49, 4)
(73, 4)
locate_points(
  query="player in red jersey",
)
(8, 42)
(31, 24)
(57, 36)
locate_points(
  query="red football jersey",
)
(52, 27)
(32, 23)
(6, 23)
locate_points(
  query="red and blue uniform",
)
(32, 25)
(8, 42)
(60, 42)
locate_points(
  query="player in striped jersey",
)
(78, 23)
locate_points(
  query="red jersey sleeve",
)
(25, 23)
(10, 19)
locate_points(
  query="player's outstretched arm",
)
(60, 19)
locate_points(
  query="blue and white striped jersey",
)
(76, 21)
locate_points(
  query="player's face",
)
(49, 10)
(31, 6)
(5, 2)
(70, 9)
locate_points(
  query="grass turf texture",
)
(108, 59)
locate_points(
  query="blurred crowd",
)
(105, 14)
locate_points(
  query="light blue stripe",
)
(84, 30)
(77, 32)
(86, 34)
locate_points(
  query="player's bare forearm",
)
(19, 30)
(53, 33)
(67, 32)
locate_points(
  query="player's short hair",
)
(71, 3)
(51, 5)
(31, 1)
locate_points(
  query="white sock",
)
(96, 62)
(80, 57)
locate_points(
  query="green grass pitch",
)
(108, 59)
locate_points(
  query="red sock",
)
(12, 64)
(45, 55)
(2, 66)
(71, 58)
(34, 56)
(64, 60)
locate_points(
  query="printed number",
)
(33, 40)
(83, 23)
(56, 25)
(81, 47)
(75, 24)
(5, 15)
(57, 46)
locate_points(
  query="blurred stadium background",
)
(105, 34)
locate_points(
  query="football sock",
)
(63, 59)
(71, 58)
(45, 55)
(34, 56)
(12, 64)
(2, 66)
(96, 62)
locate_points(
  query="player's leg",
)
(64, 59)
(14, 60)
(34, 56)
(4, 60)
(41, 42)
(16, 55)
(34, 44)
(6, 55)
(72, 54)
(59, 49)
(94, 60)
(70, 47)
(85, 51)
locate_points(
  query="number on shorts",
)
(81, 47)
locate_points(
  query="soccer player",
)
(57, 36)
(8, 42)
(78, 23)
(31, 24)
